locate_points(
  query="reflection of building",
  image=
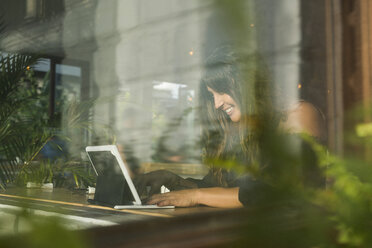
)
(122, 46)
(174, 121)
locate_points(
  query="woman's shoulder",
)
(304, 117)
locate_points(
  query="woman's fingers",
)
(182, 198)
(155, 199)
(166, 203)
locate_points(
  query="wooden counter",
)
(180, 227)
(76, 202)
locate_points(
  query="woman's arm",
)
(214, 197)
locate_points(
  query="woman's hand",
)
(181, 198)
(156, 179)
(214, 197)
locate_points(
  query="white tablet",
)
(114, 185)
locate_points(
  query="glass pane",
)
(244, 97)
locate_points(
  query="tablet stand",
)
(112, 190)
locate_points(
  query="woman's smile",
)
(227, 104)
(229, 110)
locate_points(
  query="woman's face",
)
(226, 103)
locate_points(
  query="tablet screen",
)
(105, 163)
(111, 186)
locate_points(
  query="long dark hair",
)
(244, 77)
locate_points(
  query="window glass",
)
(172, 83)
(139, 65)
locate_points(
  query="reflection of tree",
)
(26, 134)
(22, 130)
(34, 145)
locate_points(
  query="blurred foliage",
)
(348, 197)
(338, 216)
(41, 231)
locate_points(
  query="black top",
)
(290, 164)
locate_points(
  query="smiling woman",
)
(233, 120)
